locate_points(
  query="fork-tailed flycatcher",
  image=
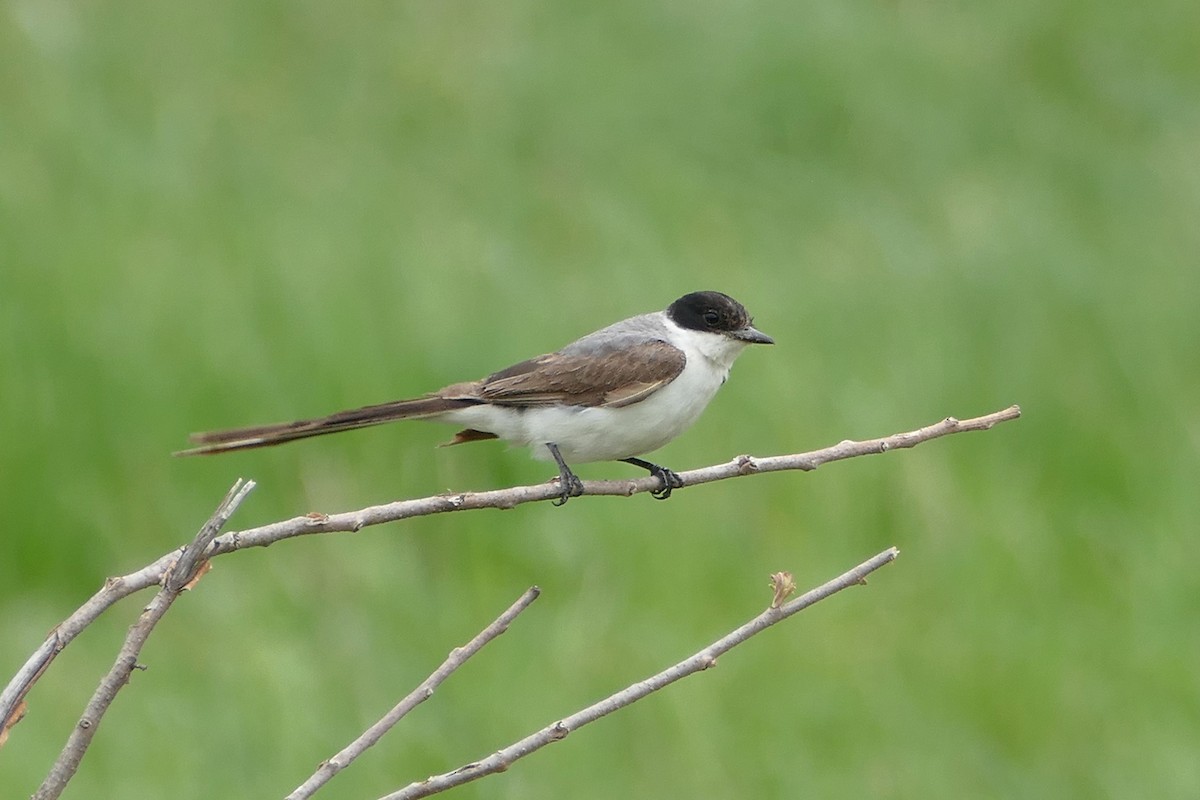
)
(611, 396)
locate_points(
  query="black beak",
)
(752, 335)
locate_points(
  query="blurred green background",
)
(228, 213)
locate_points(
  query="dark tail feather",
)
(267, 435)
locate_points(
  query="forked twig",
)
(188, 566)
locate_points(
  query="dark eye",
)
(711, 318)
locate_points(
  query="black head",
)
(716, 313)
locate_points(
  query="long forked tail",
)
(267, 435)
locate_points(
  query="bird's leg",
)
(670, 479)
(568, 481)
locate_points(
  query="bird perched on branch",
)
(613, 395)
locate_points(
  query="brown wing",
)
(620, 378)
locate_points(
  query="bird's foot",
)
(669, 477)
(569, 486)
(568, 482)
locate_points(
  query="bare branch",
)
(503, 759)
(517, 495)
(191, 561)
(114, 589)
(458, 656)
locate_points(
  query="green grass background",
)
(227, 213)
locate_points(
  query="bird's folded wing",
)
(618, 378)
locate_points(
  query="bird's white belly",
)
(600, 434)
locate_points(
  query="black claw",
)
(568, 482)
(571, 486)
(669, 477)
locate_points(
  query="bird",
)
(612, 395)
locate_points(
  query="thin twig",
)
(114, 589)
(188, 566)
(501, 760)
(458, 656)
